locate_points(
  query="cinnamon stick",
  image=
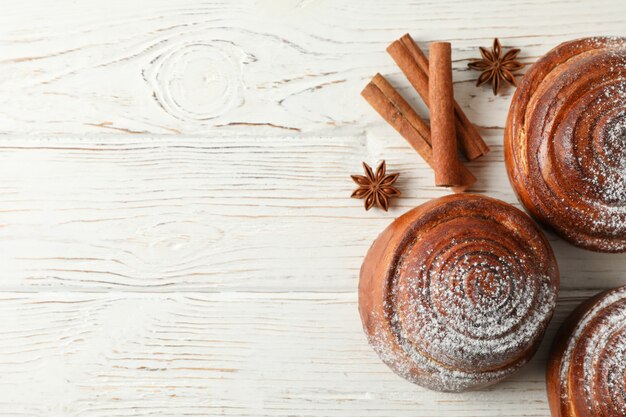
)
(414, 64)
(441, 99)
(403, 107)
(470, 136)
(401, 116)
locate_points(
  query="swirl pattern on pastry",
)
(587, 365)
(456, 294)
(565, 142)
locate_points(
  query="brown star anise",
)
(496, 67)
(375, 188)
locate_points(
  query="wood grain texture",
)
(232, 354)
(273, 66)
(216, 214)
(176, 232)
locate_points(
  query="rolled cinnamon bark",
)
(414, 64)
(401, 116)
(403, 107)
(441, 98)
(468, 135)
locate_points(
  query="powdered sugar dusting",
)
(471, 310)
(572, 140)
(600, 337)
(606, 172)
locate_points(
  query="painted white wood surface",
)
(176, 236)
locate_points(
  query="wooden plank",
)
(274, 67)
(235, 354)
(176, 236)
(215, 214)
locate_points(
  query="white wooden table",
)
(176, 237)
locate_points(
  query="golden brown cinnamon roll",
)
(587, 366)
(457, 293)
(565, 142)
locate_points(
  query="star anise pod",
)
(496, 67)
(376, 189)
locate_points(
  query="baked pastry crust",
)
(585, 375)
(456, 294)
(565, 142)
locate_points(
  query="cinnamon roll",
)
(587, 365)
(565, 142)
(457, 293)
